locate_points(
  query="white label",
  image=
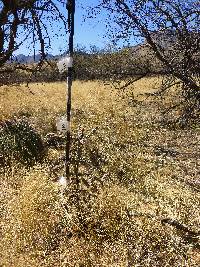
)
(62, 181)
(63, 125)
(65, 63)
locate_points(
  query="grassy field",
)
(138, 202)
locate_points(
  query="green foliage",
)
(19, 141)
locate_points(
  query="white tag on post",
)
(62, 181)
(63, 126)
(65, 63)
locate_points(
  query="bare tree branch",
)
(23, 18)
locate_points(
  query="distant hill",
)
(29, 59)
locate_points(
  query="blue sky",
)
(87, 31)
(90, 31)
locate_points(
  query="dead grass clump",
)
(133, 172)
(87, 252)
(110, 211)
(33, 218)
(123, 228)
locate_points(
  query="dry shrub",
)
(120, 232)
(121, 145)
(33, 219)
(86, 252)
(109, 213)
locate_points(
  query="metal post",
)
(71, 12)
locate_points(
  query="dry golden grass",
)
(127, 184)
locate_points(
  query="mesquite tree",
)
(171, 30)
(31, 21)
